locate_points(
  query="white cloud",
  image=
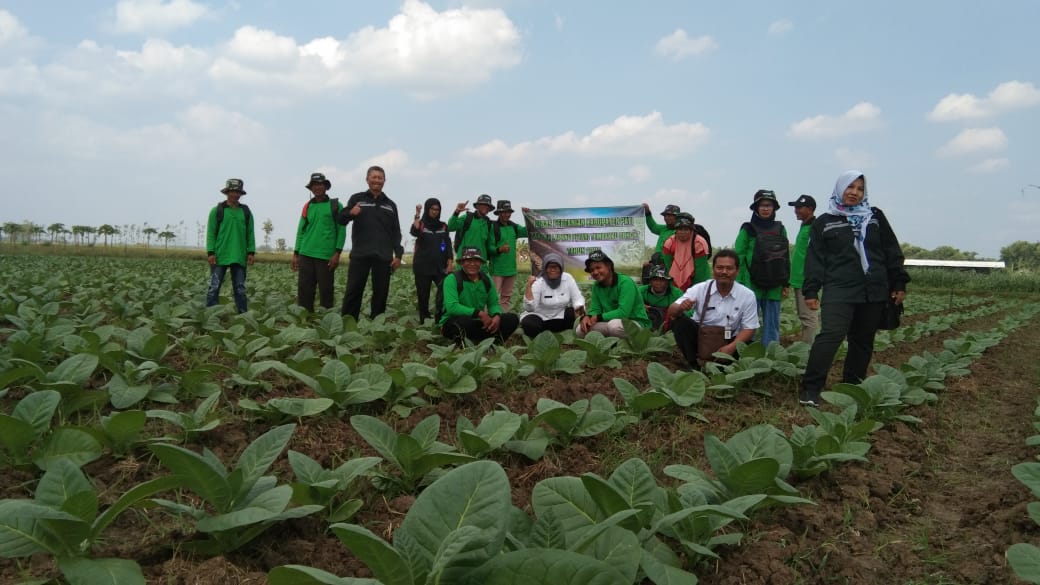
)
(559, 21)
(1010, 95)
(779, 28)
(678, 45)
(861, 117)
(853, 159)
(625, 136)
(428, 52)
(973, 140)
(395, 162)
(990, 165)
(639, 173)
(143, 16)
(10, 28)
(160, 57)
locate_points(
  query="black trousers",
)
(685, 331)
(311, 273)
(533, 324)
(357, 277)
(457, 328)
(423, 284)
(858, 322)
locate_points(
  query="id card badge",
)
(728, 334)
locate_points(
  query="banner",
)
(574, 233)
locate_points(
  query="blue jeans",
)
(770, 320)
(238, 285)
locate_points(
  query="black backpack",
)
(497, 226)
(334, 209)
(220, 216)
(770, 259)
(460, 278)
(465, 228)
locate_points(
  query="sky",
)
(136, 111)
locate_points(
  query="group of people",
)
(850, 252)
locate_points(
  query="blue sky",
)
(134, 111)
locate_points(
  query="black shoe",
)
(806, 398)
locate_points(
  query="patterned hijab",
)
(857, 215)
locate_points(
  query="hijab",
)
(552, 258)
(857, 215)
(430, 223)
(761, 223)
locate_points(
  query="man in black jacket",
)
(376, 244)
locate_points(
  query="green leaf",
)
(570, 502)
(131, 497)
(37, 409)
(378, 434)
(123, 395)
(1025, 560)
(17, 436)
(81, 571)
(62, 481)
(299, 407)
(68, 444)
(547, 567)
(198, 474)
(301, 575)
(75, 370)
(1028, 474)
(388, 566)
(261, 453)
(123, 427)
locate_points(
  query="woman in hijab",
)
(855, 258)
(769, 296)
(552, 301)
(433, 257)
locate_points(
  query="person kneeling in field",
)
(471, 307)
(613, 298)
(721, 305)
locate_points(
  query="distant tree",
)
(912, 251)
(268, 228)
(12, 230)
(35, 231)
(148, 233)
(166, 237)
(1021, 255)
(54, 229)
(107, 230)
(280, 243)
(950, 253)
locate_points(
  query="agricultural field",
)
(146, 438)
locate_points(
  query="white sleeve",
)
(530, 306)
(749, 311)
(577, 299)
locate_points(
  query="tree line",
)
(28, 232)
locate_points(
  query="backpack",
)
(460, 278)
(770, 259)
(220, 216)
(698, 230)
(334, 208)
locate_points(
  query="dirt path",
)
(936, 505)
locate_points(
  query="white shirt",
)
(549, 303)
(736, 311)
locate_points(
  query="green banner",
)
(574, 233)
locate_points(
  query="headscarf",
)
(764, 224)
(857, 215)
(552, 258)
(430, 223)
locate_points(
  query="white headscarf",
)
(858, 215)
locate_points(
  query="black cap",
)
(597, 256)
(804, 201)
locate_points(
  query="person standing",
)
(503, 235)
(613, 298)
(804, 210)
(319, 242)
(433, 258)
(472, 228)
(765, 264)
(552, 301)
(230, 245)
(730, 305)
(663, 232)
(375, 244)
(686, 253)
(855, 258)
(471, 307)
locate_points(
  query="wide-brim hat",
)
(671, 210)
(318, 178)
(660, 273)
(597, 256)
(764, 194)
(234, 185)
(484, 199)
(470, 254)
(683, 219)
(503, 207)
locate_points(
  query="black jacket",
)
(832, 263)
(377, 229)
(432, 250)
